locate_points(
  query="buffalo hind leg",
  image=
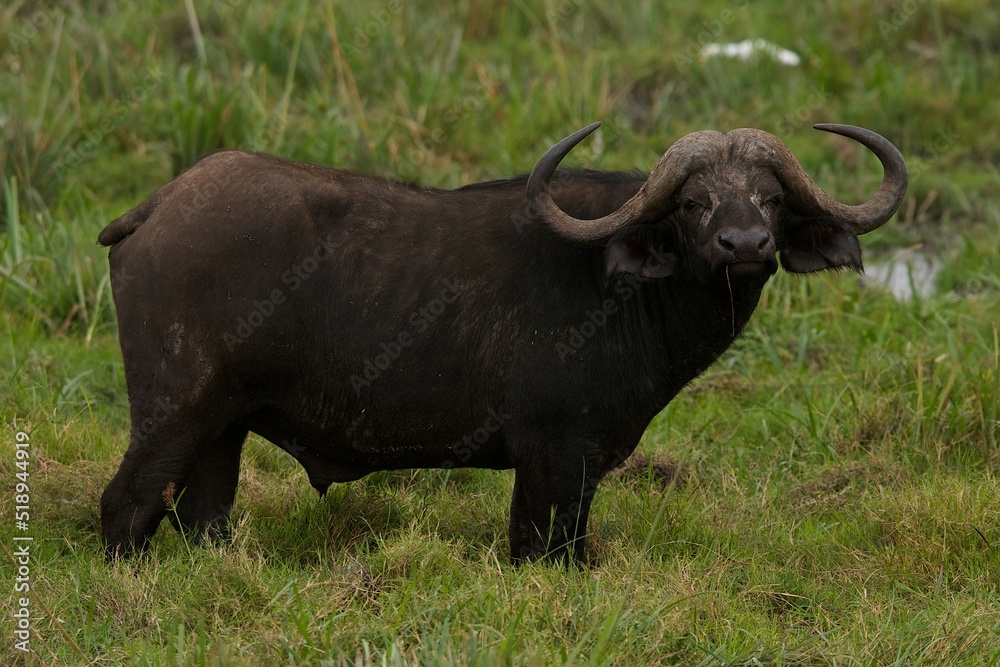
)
(201, 507)
(549, 511)
(152, 474)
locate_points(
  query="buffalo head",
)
(724, 206)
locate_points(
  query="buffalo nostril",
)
(745, 243)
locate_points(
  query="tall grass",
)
(826, 494)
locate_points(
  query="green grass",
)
(839, 501)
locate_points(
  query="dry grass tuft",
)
(662, 470)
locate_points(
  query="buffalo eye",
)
(776, 200)
(689, 205)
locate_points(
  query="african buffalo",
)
(535, 323)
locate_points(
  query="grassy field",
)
(827, 494)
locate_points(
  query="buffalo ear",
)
(640, 251)
(817, 244)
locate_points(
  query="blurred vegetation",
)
(841, 502)
(105, 100)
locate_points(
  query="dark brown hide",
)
(363, 325)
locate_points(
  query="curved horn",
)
(668, 174)
(805, 195)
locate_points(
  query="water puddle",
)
(907, 273)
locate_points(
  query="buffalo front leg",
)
(549, 509)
